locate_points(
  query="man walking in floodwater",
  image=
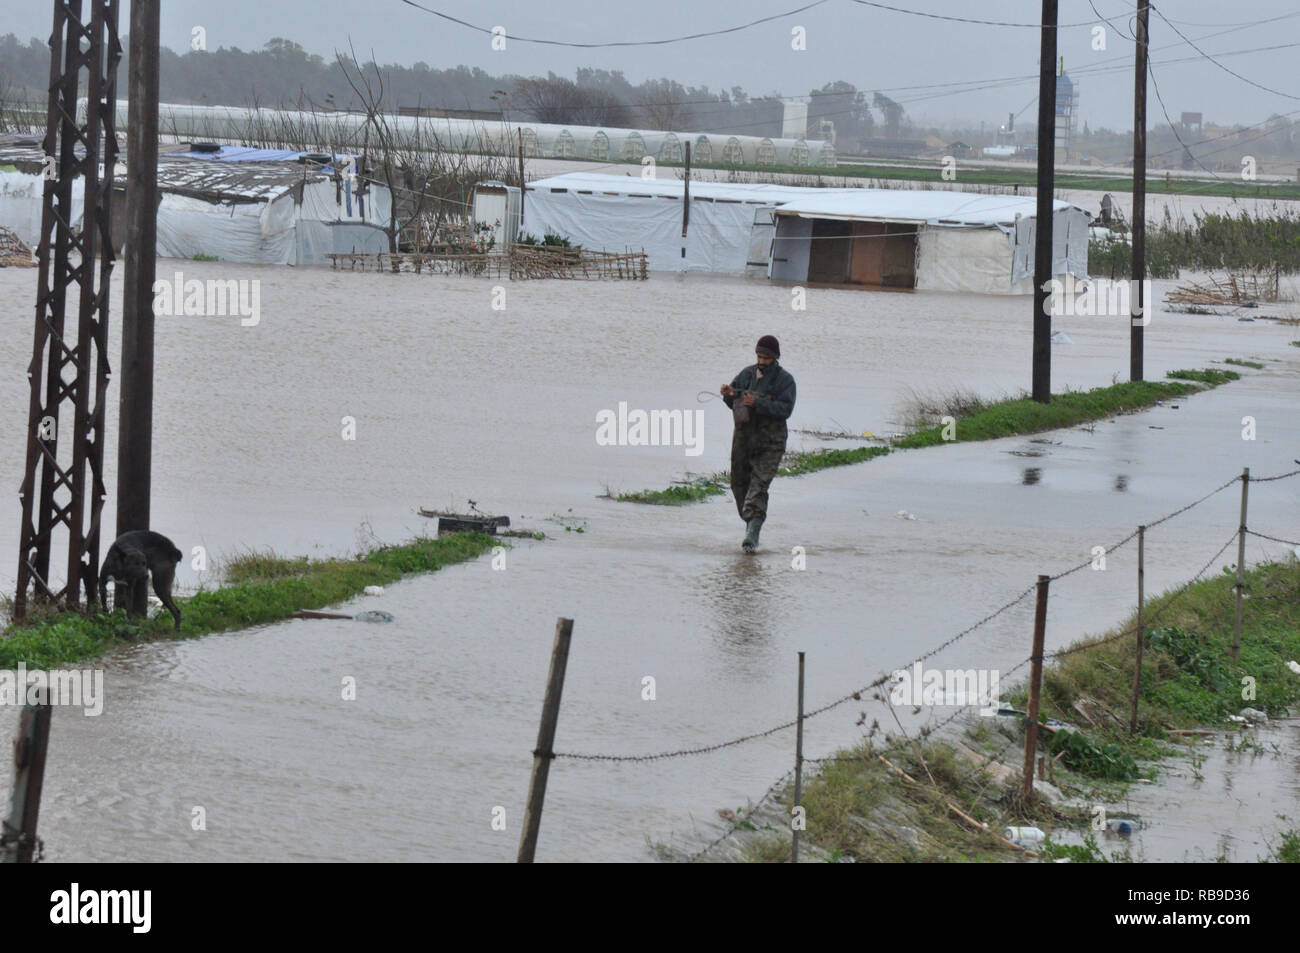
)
(761, 399)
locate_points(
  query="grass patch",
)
(858, 808)
(975, 419)
(1207, 376)
(1188, 677)
(674, 495)
(264, 588)
(1022, 415)
(1287, 850)
(797, 464)
(1189, 680)
(1009, 177)
(1242, 363)
(254, 566)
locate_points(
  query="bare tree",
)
(663, 105)
(430, 180)
(15, 116)
(560, 101)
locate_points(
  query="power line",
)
(991, 83)
(1267, 89)
(1128, 36)
(663, 42)
(951, 19)
(1284, 16)
(1231, 135)
(1187, 150)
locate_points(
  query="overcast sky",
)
(872, 48)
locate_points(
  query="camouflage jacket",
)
(774, 394)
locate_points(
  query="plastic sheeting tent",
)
(267, 212)
(957, 241)
(236, 205)
(954, 241)
(22, 195)
(615, 212)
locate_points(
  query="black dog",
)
(131, 558)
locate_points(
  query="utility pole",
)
(62, 491)
(1042, 378)
(135, 406)
(1137, 306)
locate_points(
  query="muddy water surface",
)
(455, 401)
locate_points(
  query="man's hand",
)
(726, 390)
(749, 400)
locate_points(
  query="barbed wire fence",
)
(871, 690)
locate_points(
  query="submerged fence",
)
(519, 263)
(544, 752)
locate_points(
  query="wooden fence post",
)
(544, 752)
(18, 843)
(1035, 683)
(798, 767)
(1141, 628)
(1241, 566)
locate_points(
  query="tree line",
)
(282, 73)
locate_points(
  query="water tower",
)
(1067, 115)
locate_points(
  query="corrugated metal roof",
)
(235, 182)
(232, 181)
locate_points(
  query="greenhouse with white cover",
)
(345, 132)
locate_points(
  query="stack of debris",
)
(1239, 288)
(14, 251)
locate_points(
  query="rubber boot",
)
(751, 537)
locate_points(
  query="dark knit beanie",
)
(769, 345)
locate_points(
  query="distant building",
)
(1067, 113)
(794, 121)
(892, 148)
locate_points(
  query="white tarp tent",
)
(22, 196)
(958, 241)
(237, 205)
(250, 208)
(615, 213)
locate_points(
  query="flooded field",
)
(453, 400)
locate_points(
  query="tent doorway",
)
(884, 254)
(828, 257)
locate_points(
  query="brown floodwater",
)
(453, 400)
